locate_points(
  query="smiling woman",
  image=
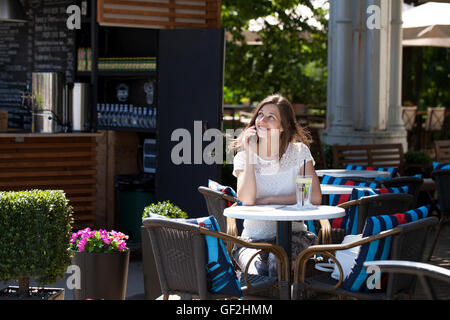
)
(273, 150)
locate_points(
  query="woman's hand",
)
(250, 139)
(282, 199)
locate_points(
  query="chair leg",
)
(435, 238)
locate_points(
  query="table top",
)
(342, 173)
(339, 189)
(283, 212)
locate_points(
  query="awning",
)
(427, 25)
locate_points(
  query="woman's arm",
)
(246, 179)
(316, 193)
(246, 184)
(283, 199)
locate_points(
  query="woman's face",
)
(268, 120)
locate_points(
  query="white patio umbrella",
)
(427, 25)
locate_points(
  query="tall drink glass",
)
(303, 191)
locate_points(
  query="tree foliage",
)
(292, 59)
(426, 72)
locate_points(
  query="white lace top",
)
(273, 178)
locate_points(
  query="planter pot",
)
(151, 280)
(12, 293)
(103, 275)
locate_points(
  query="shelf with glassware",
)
(126, 117)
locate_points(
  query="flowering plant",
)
(88, 240)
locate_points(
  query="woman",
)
(273, 150)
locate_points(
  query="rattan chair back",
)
(388, 203)
(413, 183)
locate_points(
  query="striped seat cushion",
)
(351, 214)
(392, 171)
(378, 250)
(224, 189)
(441, 166)
(335, 199)
(220, 274)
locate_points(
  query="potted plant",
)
(103, 259)
(165, 208)
(151, 280)
(418, 162)
(36, 227)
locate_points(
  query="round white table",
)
(339, 189)
(344, 173)
(283, 212)
(284, 215)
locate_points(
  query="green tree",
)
(292, 59)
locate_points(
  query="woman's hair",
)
(292, 131)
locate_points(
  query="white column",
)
(395, 122)
(364, 73)
(339, 63)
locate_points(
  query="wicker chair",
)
(180, 255)
(216, 202)
(408, 243)
(413, 183)
(442, 179)
(387, 203)
(422, 271)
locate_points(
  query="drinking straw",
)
(303, 185)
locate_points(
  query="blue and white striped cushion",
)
(352, 212)
(380, 249)
(221, 277)
(326, 179)
(335, 199)
(441, 166)
(392, 171)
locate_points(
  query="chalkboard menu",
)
(43, 44)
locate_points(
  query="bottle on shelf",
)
(125, 116)
(107, 117)
(153, 118)
(140, 123)
(145, 118)
(149, 118)
(133, 116)
(120, 121)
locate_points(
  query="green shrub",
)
(166, 209)
(35, 231)
(417, 157)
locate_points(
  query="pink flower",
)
(98, 240)
(121, 246)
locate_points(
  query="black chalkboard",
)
(43, 44)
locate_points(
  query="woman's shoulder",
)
(301, 151)
(299, 146)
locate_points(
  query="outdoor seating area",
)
(369, 203)
(276, 152)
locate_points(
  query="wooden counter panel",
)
(64, 162)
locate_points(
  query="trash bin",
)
(135, 192)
